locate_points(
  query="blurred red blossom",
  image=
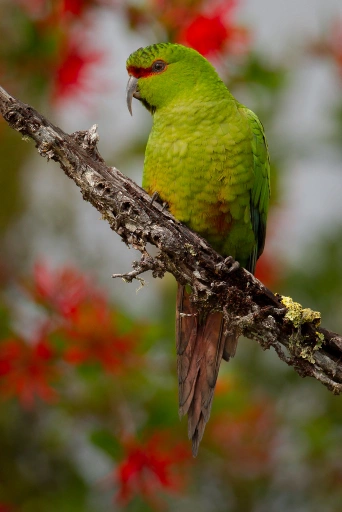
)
(224, 385)
(214, 32)
(150, 467)
(93, 336)
(5, 507)
(27, 371)
(84, 319)
(208, 27)
(267, 270)
(247, 438)
(72, 74)
(270, 267)
(74, 7)
(63, 290)
(55, 10)
(336, 44)
(330, 45)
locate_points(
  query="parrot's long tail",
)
(201, 344)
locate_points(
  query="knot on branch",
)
(88, 140)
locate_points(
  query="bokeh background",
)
(88, 395)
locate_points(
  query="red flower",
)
(205, 34)
(149, 467)
(72, 72)
(93, 337)
(63, 290)
(74, 7)
(26, 371)
(213, 33)
(84, 319)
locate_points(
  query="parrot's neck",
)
(202, 99)
(193, 111)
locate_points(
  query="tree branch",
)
(217, 283)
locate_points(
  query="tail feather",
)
(230, 345)
(202, 342)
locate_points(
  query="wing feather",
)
(260, 192)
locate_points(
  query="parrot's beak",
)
(132, 90)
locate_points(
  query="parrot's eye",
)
(158, 66)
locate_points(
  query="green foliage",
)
(107, 442)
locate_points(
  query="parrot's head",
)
(164, 71)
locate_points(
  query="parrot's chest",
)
(183, 171)
(205, 164)
(204, 174)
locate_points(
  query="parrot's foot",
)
(228, 265)
(156, 198)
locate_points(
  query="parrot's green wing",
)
(260, 192)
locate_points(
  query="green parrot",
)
(207, 158)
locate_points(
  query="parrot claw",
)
(231, 264)
(228, 265)
(156, 198)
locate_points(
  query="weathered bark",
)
(218, 284)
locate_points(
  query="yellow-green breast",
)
(199, 160)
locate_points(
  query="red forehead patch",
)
(139, 72)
